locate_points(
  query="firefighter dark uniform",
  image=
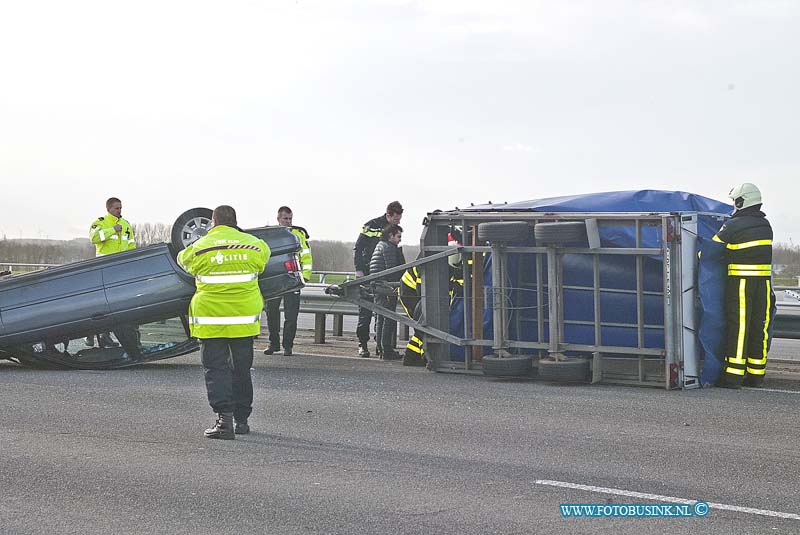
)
(411, 297)
(749, 295)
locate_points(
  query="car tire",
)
(189, 227)
(503, 231)
(571, 370)
(560, 232)
(514, 366)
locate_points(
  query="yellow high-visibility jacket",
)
(306, 262)
(225, 263)
(106, 240)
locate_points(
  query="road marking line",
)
(671, 499)
(771, 390)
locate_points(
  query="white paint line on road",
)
(670, 499)
(771, 390)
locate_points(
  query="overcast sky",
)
(336, 107)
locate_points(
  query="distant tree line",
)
(787, 257)
(328, 255)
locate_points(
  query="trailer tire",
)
(560, 232)
(571, 370)
(503, 231)
(189, 227)
(515, 366)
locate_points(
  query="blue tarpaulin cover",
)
(616, 273)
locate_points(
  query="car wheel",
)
(503, 231)
(515, 366)
(570, 370)
(560, 232)
(189, 227)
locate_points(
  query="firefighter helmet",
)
(745, 195)
(454, 240)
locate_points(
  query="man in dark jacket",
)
(386, 256)
(365, 244)
(749, 298)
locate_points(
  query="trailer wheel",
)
(189, 227)
(560, 232)
(503, 231)
(571, 370)
(516, 366)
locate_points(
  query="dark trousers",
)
(227, 364)
(362, 328)
(291, 307)
(747, 314)
(385, 328)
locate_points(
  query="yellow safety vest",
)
(306, 262)
(225, 263)
(106, 240)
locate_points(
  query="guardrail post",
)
(338, 324)
(319, 328)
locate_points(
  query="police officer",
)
(747, 236)
(110, 233)
(291, 301)
(368, 238)
(225, 314)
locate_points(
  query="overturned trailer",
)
(600, 287)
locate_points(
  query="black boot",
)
(271, 350)
(413, 359)
(241, 427)
(223, 427)
(363, 351)
(391, 355)
(753, 381)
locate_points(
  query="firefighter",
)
(110, 233)
(368, 238)
(291, 301)
(225, 314)
(411, 299)
(747, 236)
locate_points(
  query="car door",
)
(52, 303)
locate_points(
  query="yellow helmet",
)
(745, 195)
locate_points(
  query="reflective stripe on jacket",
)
(225, 263)
(368, 238)
(747, 236)
(306, 261)
(106, 240)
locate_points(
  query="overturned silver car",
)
(52, 318)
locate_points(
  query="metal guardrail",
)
(313, 300)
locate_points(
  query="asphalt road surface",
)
(347, 445)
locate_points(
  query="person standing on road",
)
(225, 315)
(386, 256)
(749, 297)
(110, 233)
(411, 298)
(368, 238)
(291, 301)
